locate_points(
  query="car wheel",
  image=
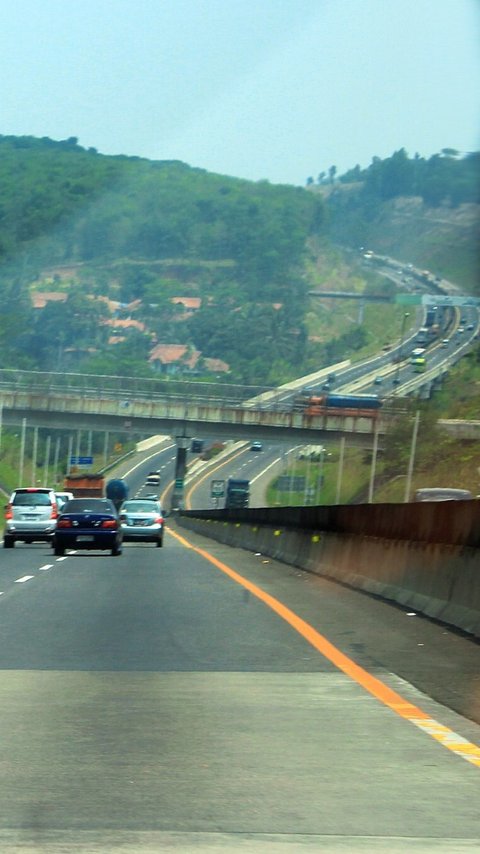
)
(59, 550)
(116, 551)
(159, 542)
(8, 542)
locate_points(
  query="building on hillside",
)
(190, 303)
(40, 298)
(174, 358)
(215, 366)
(118, 324)
(117, 308)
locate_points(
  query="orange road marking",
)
(454, 742)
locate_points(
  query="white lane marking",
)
(23, 579)
(1, 593)
(155, 454)
(60, 559)
(47, 566)
(265, 470)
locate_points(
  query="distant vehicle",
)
(445, 342)
(153, 479)
(387, 347)
(470, 327)
(62, 498)
(460, 330)
(30, 516)
(256, 446)
(88, 523)
(378, 380)
(419, 351)
(83, 485)
(419, 365)
(142, 521)
(364, 405)
(422, 335)
(442, 494)
(117, 491)
(238, 493)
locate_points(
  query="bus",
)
(419, 365)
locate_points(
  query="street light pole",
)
(400, 352)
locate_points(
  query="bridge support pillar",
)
(183, 443)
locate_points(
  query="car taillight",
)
(109, 523)
(158, 520)
(54, 513)
(8, 512)
(64, 523)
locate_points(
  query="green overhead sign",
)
(408, 299)
(437, 299)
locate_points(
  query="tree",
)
(331, 173)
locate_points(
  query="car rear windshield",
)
(89, 505)
(140, 507)
(31, 499)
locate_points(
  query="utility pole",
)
(22, 449)
(340, 470)
(400, 352)
(411, 461)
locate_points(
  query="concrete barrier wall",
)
(441, 580)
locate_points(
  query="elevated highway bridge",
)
(77, 402)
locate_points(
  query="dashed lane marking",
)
(44, 568)
(402, 707)
(23, 579)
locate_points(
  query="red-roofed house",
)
(190, 303)
(174, 358)
(40, 298)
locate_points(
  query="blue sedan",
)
(88, 523)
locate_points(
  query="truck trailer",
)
(238, 493)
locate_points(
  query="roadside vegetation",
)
(95, 252)
(441, 459)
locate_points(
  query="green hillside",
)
(120, 244)
(422, 211)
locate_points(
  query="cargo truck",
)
(85, 485)
(238, 493)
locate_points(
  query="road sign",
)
(179, 483)
(81, 461)
(290, 483)
(437, 299)
(217, 489)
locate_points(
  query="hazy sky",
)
(275, 89)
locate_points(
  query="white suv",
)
(31, 514)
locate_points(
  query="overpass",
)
(76, 402)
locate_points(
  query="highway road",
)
(165, 700)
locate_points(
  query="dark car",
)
(256, 446)
(142, 521)
(88, 523)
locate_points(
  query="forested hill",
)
(86, 206)
(424, 210)
(129, 228)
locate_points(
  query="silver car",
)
(30, 515)
(142, 520)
